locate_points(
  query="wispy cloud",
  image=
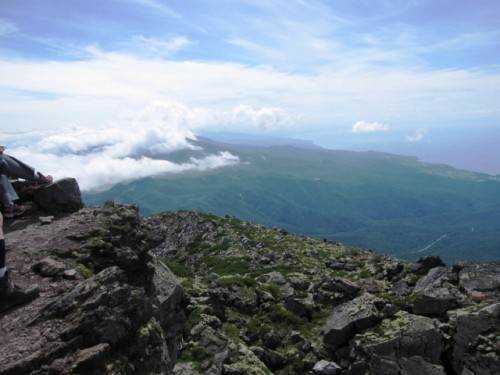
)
(164, 46)
(418, 136)
(369, 127)
(157, 6)
(7, 27)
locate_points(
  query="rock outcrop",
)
(190, 293)
(119, 311)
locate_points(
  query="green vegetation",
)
(178, 269)
(280, 315)
(238, 281)
(389, 203)
(84, 270)
(224, 266)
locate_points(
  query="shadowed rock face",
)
(253, 300)
(118, 313)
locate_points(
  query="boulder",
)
(480, 278)
(49, 267)
(326, 368)
(350, 318)
(435, 294)
(408, 344)
(299, 307)
(60, 196)
(477, 343)
(424, 264)
(129, 305)
(340, 285)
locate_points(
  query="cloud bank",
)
(136, 146)
(369, 127)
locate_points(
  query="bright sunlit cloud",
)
(369, 127)
(417, 136)
(132, 147)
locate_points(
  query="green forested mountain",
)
(389, 203)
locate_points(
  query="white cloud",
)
(166, 46)
(417, 137)
(123, 151)
(369, 127)
(265, 118)
(96, 90)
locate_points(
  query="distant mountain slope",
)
(393, 204)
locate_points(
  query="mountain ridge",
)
(347, 196)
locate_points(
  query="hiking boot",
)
(13, 211)
(11, 295)
(42, 180)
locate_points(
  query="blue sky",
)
(370, 74)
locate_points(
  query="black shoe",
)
(11, 295)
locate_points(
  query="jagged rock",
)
(340, 285)
(350, 318)
(418, 366)
(326, 368)
(91, 358)
(401, 288)
(391, 347)
(273, 360)
(298, 307)
(61, 196)
(480, 280)
(272, 277)
(425, 264)
(134, 303)
(134, 312)
(476, 341)
(393, 270)
(278, 279)
(435, 294)
(244, 362)
(211, 346)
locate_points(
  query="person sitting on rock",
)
(11, 295)
(10, 167)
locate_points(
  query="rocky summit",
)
(193, 293)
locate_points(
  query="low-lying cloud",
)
(417, 137)
(369, 127)
(135, 147)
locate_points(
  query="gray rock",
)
(61, 196)
(340, 285)
(388, 348)
(435, 294)
(425, 264)
(326, 368)
(484, 278)
(298, 307)
(273, 360)
(477, 342)
(46, 220)
(272, 277)
(49, 267)
(419, 366)
(91, 358)
(350, 318)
